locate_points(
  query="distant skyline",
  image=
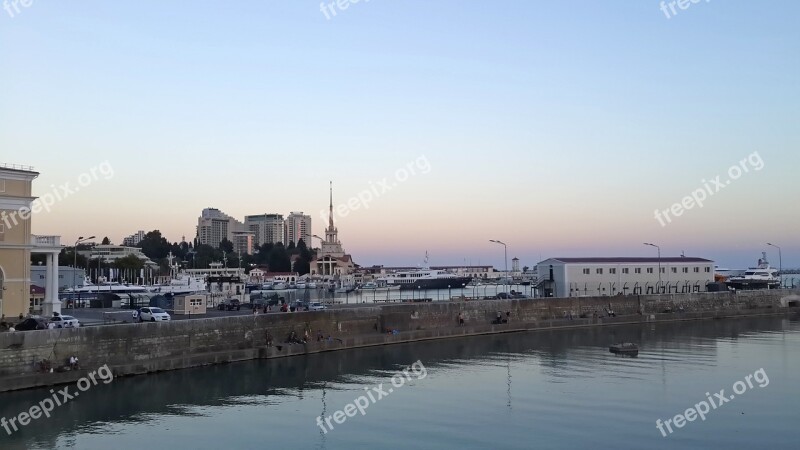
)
(560, 128)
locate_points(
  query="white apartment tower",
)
(297, 226)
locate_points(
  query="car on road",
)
(152, 314)
(316, 306)
(229, 304)
(32, 323)
(65, 322)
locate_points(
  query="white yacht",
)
(760, 277)
(425, 279)
(180, 284)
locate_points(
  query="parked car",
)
(152, 314)
(65, 322)
(316, 306)
(229, 304)
(32, 323)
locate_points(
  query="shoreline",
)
(96, 347)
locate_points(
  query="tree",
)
(204, 255)
(226, 246)
(290, 247)
(130, 262)
(302, 266)
(155, 246)
(279, 259)
(106, 241)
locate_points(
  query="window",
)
(685, 270)
(638, 270)
(696, 270)
(586, 271)
(612, 271)
(649, 270)
(663, 270)
(599, 271)
(708, 269)
(625, 270)
(674, 270)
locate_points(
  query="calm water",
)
(536, 390)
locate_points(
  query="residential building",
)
(214, 226)
(266, 228)
(134, 239)
(17, 243)
(577, 277)
(297, 226)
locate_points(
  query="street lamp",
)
(659, 265)
(75, 264)
(780, 259)
(505, 258)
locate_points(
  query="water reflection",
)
(562, 356)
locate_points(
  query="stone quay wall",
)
(130, 349)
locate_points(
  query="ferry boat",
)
(179, 285)
(760, 277)
(425, 279)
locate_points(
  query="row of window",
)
(626, 270)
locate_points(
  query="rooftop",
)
(632, 260)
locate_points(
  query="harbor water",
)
(549, 389)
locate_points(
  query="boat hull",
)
(437, 283)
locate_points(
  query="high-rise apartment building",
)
(266, 228)
(297, 226)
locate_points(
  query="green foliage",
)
(279, 259)
(106, 241)
(226, 246)
(155, 246)
(129, 262)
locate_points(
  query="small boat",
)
(625, 348)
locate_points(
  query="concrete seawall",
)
(131, 349)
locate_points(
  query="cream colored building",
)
(17, 204)
(332, 261)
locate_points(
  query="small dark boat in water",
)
(625, 348)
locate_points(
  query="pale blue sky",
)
(556, 126)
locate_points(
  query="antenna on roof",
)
(682, 255)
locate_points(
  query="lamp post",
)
(505, 259)
(321, 241)
(75, 265)
(659, 264)
(780, 261)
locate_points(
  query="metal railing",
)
(16, 167)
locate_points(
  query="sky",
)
(559, 128)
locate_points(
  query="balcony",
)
(45, 242)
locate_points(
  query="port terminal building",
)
(581, 277)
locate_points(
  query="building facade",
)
(67, 277)
(297, 226)
(266, 228)
(580, 277)
(331, 261)
(134, 239)
(110, 253)
(17, 203)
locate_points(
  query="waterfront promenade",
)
(131, 349)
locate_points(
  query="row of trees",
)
(275, 256)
